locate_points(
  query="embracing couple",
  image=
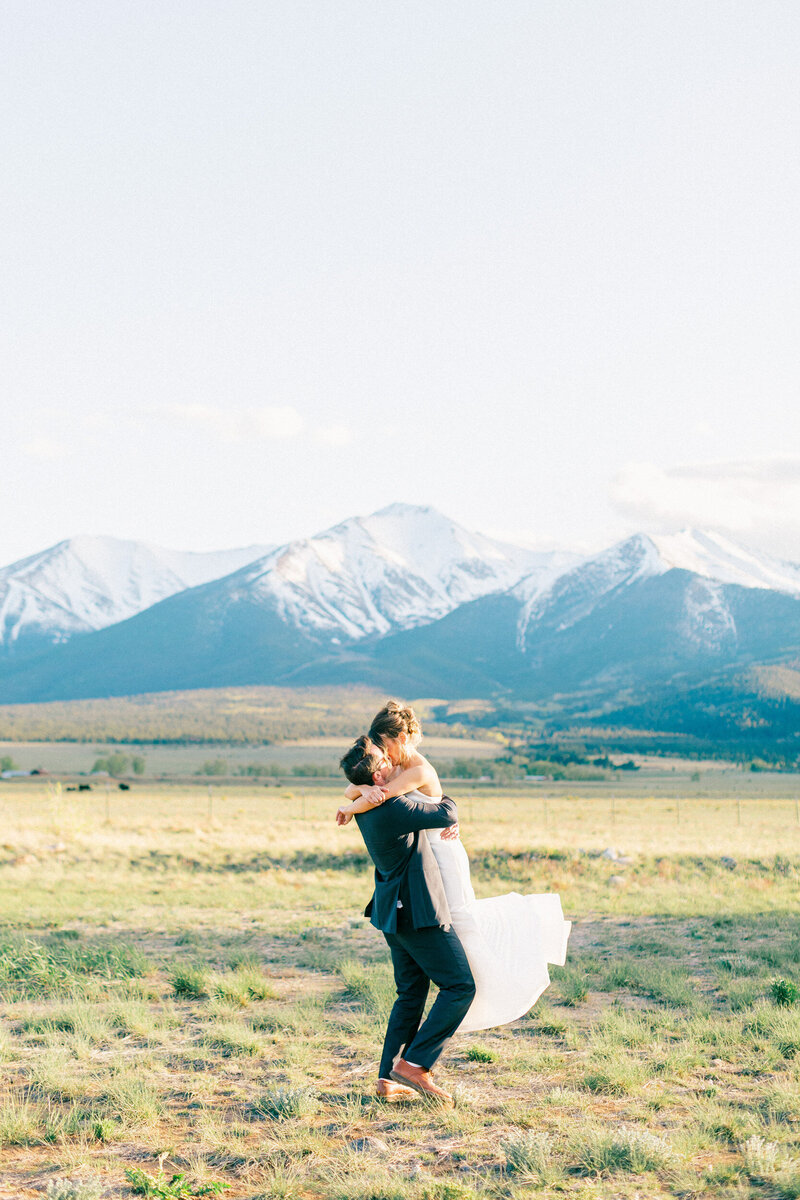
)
(487, 957)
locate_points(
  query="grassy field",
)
(74, 758)
(193, 1005)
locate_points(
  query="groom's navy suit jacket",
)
(405, 868)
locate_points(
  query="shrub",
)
(760, 1157)
(784, 992)
(623, 1149)
(481, 1054)
(614, 1076)
(115, 764)
(214, 766)
(190, 982)
(245, 983)
(26, 969)
(282, 1104)
(74, 1189)
(175, 1188)
(530, 1154)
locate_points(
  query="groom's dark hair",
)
(361, 761)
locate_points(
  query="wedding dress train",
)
(508, 940)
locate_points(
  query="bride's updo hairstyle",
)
(394, 719)
(361, 761)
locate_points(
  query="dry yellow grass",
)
(190, 977)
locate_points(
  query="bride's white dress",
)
(508, 940)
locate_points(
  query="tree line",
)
(212, 716)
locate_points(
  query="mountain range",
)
(405, 599)
(87, 583)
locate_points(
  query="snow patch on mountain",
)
(716, 557)
(575, 592)
(707, 619)
(398, 568)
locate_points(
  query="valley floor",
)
(191, 991)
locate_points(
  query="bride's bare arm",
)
(415, 778)
(366, 796)
(357, 795)
(360, 804)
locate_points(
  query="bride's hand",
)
(373, 795)
(450, 834)
(343, 815)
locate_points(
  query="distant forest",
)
(220, 716)
(751, 717)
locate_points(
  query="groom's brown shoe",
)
(394, 1093)
(420, 1080)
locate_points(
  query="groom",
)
(410, 908)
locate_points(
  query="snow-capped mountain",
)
(87, 583)
(707, 555)
(653, 606)
(405, 599)
(401, 567)
(713, 556)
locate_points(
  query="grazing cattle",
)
(84, 787)
(124, 787)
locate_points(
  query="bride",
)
(508, 940)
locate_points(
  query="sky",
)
(266, 266)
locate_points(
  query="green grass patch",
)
(371, 986)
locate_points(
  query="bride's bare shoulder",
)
(431, 787)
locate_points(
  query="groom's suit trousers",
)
(419, 956)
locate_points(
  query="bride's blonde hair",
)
(393, 719)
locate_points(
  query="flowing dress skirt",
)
(508, 940)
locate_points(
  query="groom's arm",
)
(409, 815)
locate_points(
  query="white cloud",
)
(271, 424)
(266, 424)
(45, 449)
(757, 500)
(333, 435)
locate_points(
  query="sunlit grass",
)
(206, 988)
